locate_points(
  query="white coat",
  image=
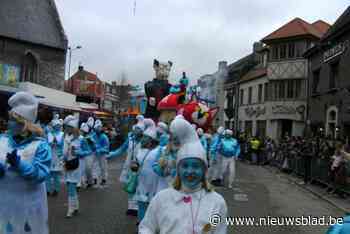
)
(148, 180)
(23, 203)
(168, 213)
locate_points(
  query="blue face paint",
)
(14, 128)
(191, 172)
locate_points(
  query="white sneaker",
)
(230, 186)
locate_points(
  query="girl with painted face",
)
(131, 146)
(71, 155)
(56, 140)
(147, 177)
(188, 205)
(24, 166)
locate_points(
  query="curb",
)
(311, 191)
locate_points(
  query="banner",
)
(9, 75)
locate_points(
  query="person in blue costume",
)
(89, 160)
(162, 130)
(186, 207)
(85, 152)
(216, 158)
(101, 141)
(341, 228)
(25, 160)
(229, 149)
(72, 151)
(131, 147)
(202, 138)
(165, 166)
(148, 179)
(56, 140)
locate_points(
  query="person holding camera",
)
(71, 162)
(25, 160)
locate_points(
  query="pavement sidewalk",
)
(342, 204)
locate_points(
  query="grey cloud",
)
(194, 34)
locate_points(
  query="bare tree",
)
(123, 89)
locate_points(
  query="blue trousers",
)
(142, 210)
(53, 182)
(72, 189)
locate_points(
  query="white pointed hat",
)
(191, 146)
(56, 120)
(90, 122)
(25, 105)
(84, 127)
(220, 130)
(162, 127)
(71, 121)
(151, 129)
(140, 123)
(98, 123)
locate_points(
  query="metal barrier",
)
(320, 168)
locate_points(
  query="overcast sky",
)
(193, 34)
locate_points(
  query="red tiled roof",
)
(321, 26)
(298, 27)
(253, 74)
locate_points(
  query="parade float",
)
(165, 101)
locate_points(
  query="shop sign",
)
(257, 111)
(9, 75)
(282, 109)
(335, 51)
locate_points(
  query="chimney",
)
(222, 65)
(257, 46)
(80, 68)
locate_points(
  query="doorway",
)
(286, 127)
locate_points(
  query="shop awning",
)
(101, 113)
(51, 97)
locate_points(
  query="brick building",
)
(33, 44)
(86, 86)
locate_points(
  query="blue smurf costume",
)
(55, 138)
(24, 166)
(187, 206)
(71, 152)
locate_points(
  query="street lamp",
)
(70, 57)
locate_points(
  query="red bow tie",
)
(187, 199)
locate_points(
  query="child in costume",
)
(188, 206)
